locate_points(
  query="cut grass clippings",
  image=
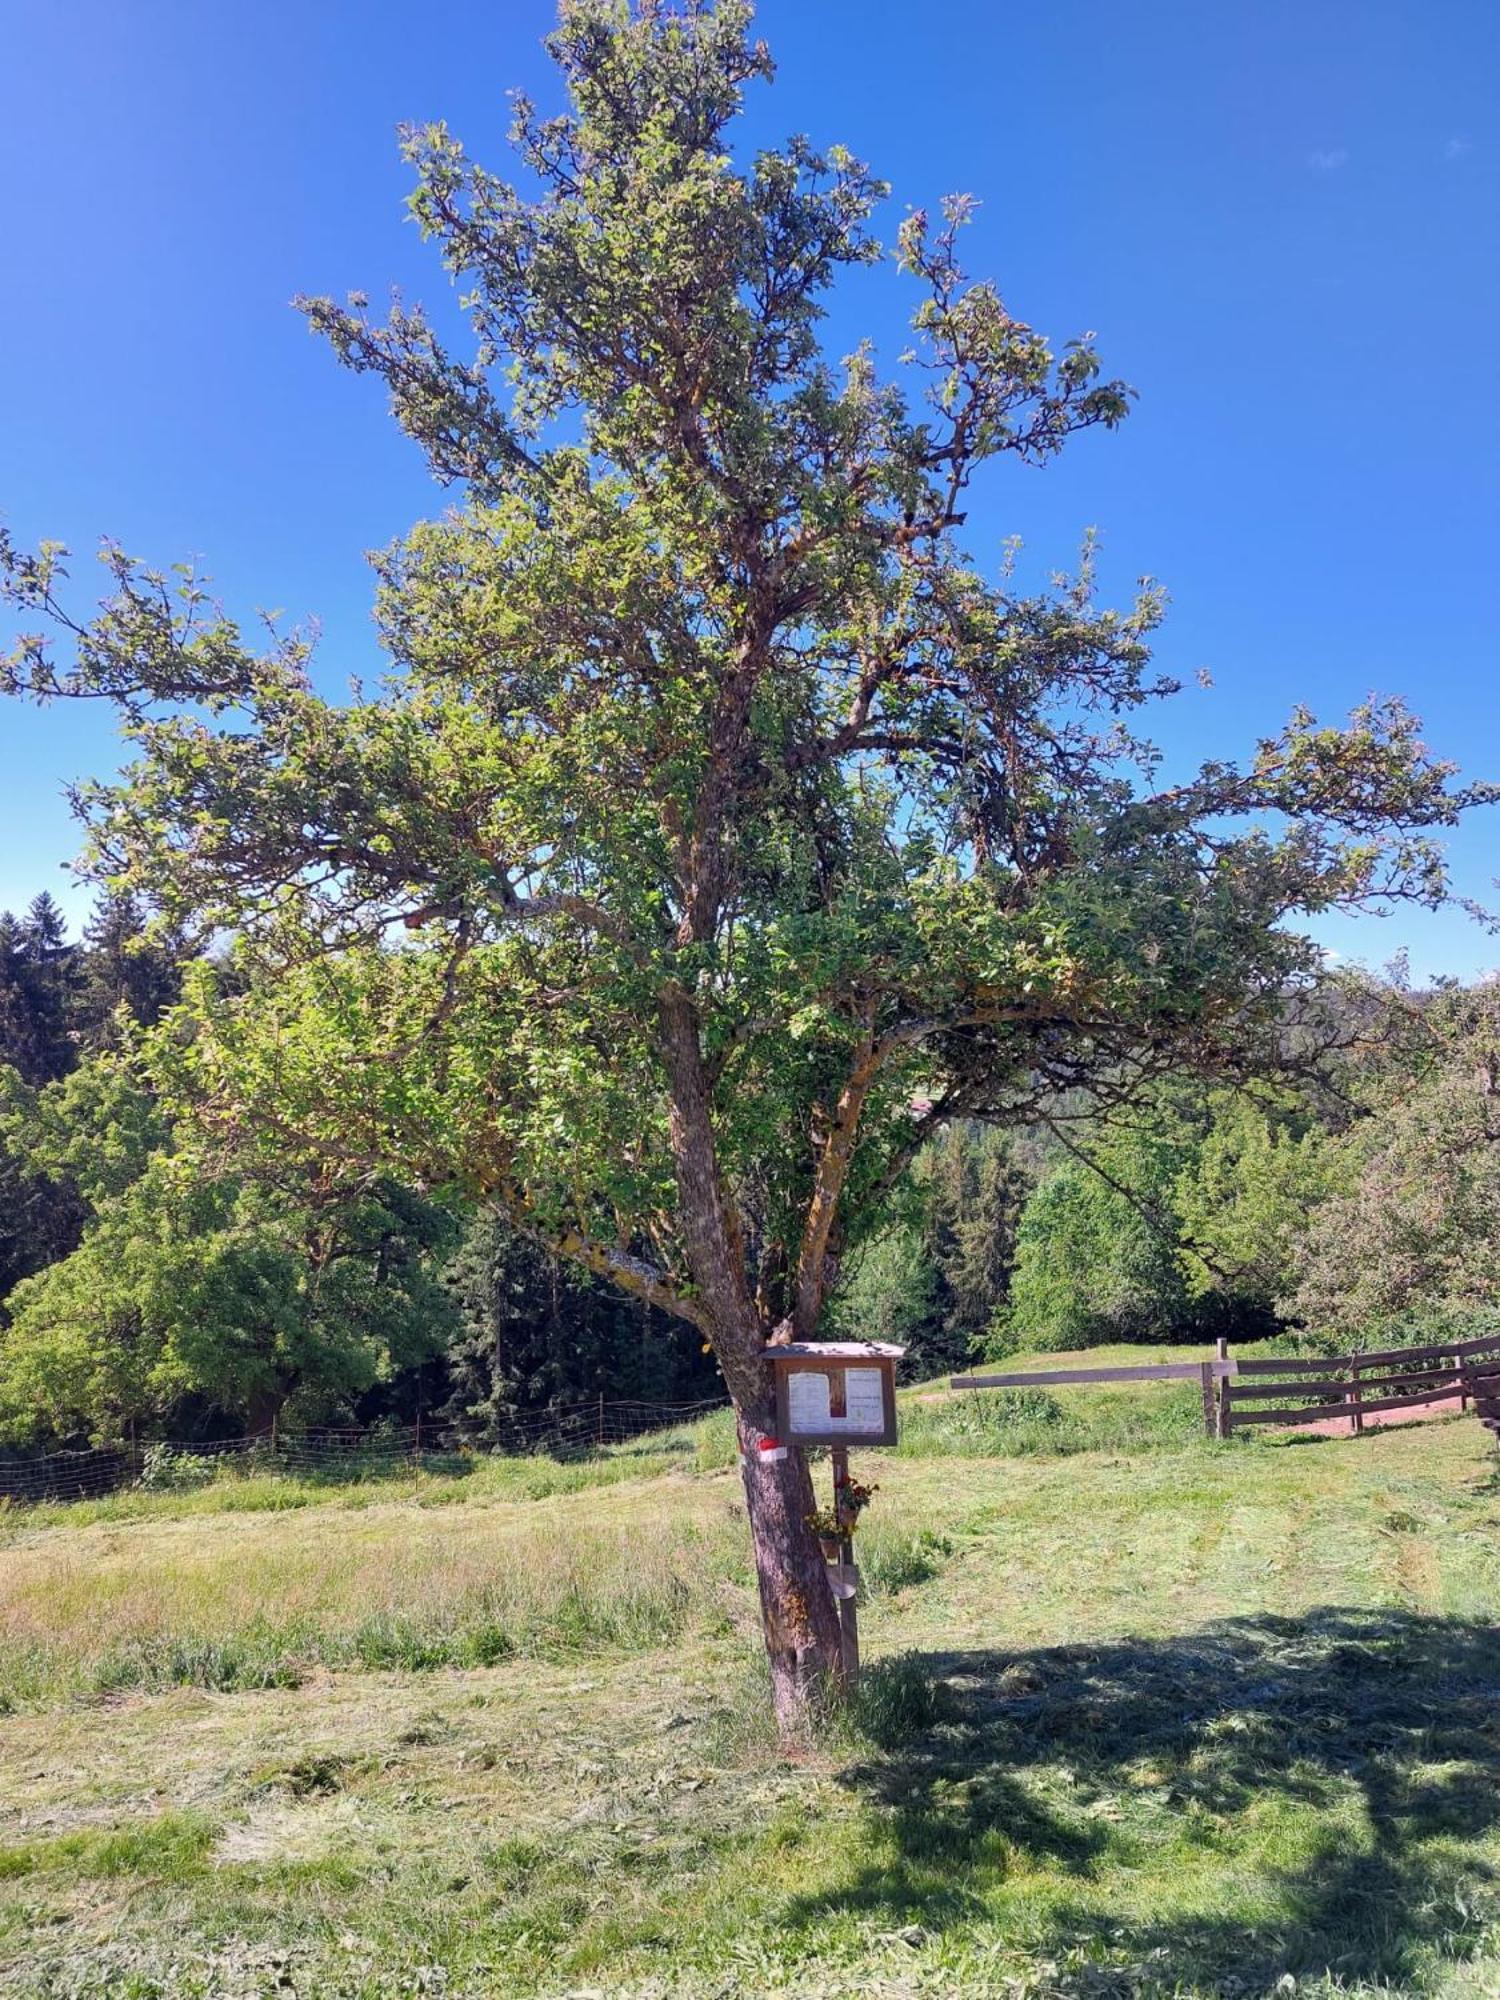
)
(1181, 1720)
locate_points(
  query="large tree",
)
(193, 1293)
(724, 828)
(1406, 1243)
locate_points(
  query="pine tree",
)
(37, 984)
(538, 1332)
(122, 968)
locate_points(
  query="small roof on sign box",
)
(835, 1350)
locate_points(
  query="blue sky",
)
(1279, 215)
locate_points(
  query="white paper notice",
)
(807, 1400)
(864, 1400)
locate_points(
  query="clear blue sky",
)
(1279, 215)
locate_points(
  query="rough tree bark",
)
(798, 1612)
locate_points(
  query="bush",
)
(991, 1423)
(167, 1469)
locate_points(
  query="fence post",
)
(848, 1608)
(1210, 1419)
(1221, 1411)
(601, 1419)
(1356, 1398)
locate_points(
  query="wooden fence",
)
(1212, 1377)
(1308, 1390)
(1305, 1389)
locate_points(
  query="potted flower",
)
(824, 1522)
(833, 1525)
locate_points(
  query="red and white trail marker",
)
(769, 1451)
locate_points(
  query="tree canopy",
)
(1180, 1219)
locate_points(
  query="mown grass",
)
(1182, 1720)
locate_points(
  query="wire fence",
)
(568, 1430)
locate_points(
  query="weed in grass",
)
(261, 1656)
(716, 1442)
(897, 1700)
(171, 1847)
(893, 1557)
(739, 1730)
(314, 1775)
(513, 1864)
(988, 1424)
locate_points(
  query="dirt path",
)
(1440, 1406)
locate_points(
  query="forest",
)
(1359, 1208)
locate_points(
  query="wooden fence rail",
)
(1212, 1376)
(1278, 1364)
(1156, 1371)
(1354, 1387)
(1305, 1389)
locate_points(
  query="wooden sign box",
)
(839, 1392)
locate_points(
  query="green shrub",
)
(166, 1468)
(894, 1558)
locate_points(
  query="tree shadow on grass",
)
(1319, 1782)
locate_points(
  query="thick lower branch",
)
(834, 1160)
(622, 1268)
(711, 1233)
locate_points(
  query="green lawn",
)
(1174, 1719)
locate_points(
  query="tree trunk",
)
(263, 1409)
(798, 1613)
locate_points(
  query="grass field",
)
(1146, 1716)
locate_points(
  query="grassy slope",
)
(1205, 1717)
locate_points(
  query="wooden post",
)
(1356, 1397)
(1221, 1407)
(1210, 1415)
(601, 1420)
(848, 1609)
